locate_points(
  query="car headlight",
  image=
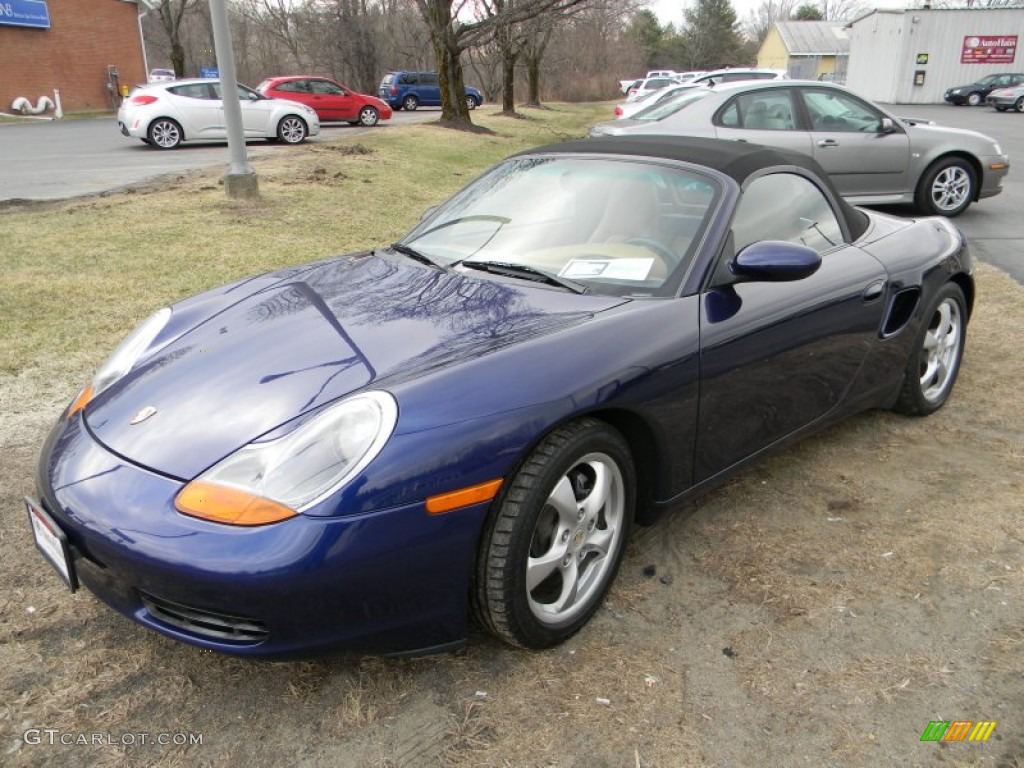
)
(273, 480)
(122, 359)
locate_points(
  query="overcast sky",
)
(672, 10)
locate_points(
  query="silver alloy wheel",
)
(575, 542)
(165, 134)
(1019, 104)
(951, 188)
(368, 116)
(470, 102)
(941, 350)
(291, 130)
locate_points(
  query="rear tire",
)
(1019, 104)
(409, 103)
(555, 538)
(935, 358)
(164, 133)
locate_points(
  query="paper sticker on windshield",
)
(610, 269)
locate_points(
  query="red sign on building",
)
(993, 49)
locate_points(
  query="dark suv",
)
(409, 90)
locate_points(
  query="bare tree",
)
(760, 20)
(170, 13)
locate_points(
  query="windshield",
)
(618, 226)
(670, 106)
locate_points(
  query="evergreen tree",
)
(808, 12)
(711, 38)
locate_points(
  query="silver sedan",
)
(1008, 98)
(872, 156)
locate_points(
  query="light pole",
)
(240, 179)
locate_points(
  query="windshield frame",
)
(710, 184)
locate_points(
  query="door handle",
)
(873, 291)
(828, 143)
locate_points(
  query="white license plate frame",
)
(52, 543)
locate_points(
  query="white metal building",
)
(913, 56)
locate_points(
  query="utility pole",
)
(240, 180)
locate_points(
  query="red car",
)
(332, 101)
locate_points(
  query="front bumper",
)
(390, 581)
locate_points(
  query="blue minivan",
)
(409, 90)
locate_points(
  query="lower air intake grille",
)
(217, 626)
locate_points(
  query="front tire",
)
(164, 133)
(555, 538)
(947, 188)
(368, 117)
(1019, 104)
(974, 99)
(292, 130)
(935, 359)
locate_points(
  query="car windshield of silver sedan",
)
(610, 226)
(663, 109)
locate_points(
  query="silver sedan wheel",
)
(941, 351)
(951, 188)
(291, 130)
(575, 541)
(1019, 104)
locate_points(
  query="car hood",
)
(345, 325)
(977, 142)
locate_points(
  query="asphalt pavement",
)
(70, 158)
(60, 159)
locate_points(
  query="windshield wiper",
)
(412, 253)
(525, 272)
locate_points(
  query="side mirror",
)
(887, 125)
(774, 261)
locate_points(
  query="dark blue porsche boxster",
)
(366, 451)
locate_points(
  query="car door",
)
(331, 101)
(256, 112)
(779, 356)
(429, 89)
(200, 110)
(767, 116)
(848, 140)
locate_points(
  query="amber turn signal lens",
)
(81, 401)
(230, 506)
(474, 494)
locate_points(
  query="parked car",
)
(735, 74)
(648, 85)
(265, 468)
(1008, 98)
(411, 90)
(164, 115)
(629, 108)
(332, 101)
(872, 156)
(161, 75)
(976, 93)
(625, 85)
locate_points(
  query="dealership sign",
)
(994, 49)
(25, 13)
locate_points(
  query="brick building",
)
(75, 54)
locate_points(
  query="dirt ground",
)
(819, 610)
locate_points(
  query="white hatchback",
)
(164, 115)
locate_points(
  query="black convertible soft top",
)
(737, 159)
